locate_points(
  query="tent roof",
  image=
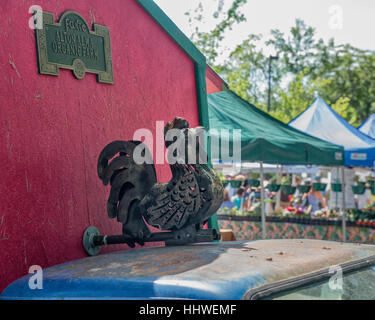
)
(264, 138)
(321, 121)
(368, 126)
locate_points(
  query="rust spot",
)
(326, 248)
(141, 265)
(248, 249)
(205, 262)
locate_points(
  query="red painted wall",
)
(213, 81)
(53, 128)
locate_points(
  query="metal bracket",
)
(93, 240)
(88, 241)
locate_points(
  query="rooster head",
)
(188, 135)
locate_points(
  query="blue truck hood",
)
(222, 270)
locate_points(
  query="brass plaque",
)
(70, 44)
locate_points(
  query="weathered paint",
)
(53, 128)
(223, 270)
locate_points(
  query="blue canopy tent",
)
(368, 126)
(321, 121)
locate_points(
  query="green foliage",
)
(344, 109)
(236, 212)
(297, 50)
(341, 74)
(246, 70)
(220, 175)
(209, 42)
(253, 175)
(271, 177)
(286, 180)
(299, 94)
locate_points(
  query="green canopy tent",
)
(265, 139)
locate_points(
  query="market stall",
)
(265, 139)
(321, 121)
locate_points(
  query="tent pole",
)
(343, 213)
(242, 200)
(262, 201)
(278, 175)
(337, 180)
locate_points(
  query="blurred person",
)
(268, 197)
(284, 200)
(240, 177)
(239, 199)
(227, 203)
(297, 196)
(257, 193)
(315, 199)
(231, 191)
(251, 198)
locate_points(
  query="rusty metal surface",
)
(206, 261)
(215, 270)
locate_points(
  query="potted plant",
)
(318, 186)
(336, 187)
(224, 183)
(303, 188)
(273, 187)
(288, 189)
(359, 189)
(253, 179)
(235, 183)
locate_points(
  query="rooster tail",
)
(130, 181)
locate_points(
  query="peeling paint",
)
(92, 17)
(27, 182)
(14, 67)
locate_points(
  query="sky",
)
(347, 21)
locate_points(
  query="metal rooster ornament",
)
(180, 206)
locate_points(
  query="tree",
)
(209, 42)
(297, 51)
(245, 70)
(298, 95)
(342, 74)
(352, 72)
